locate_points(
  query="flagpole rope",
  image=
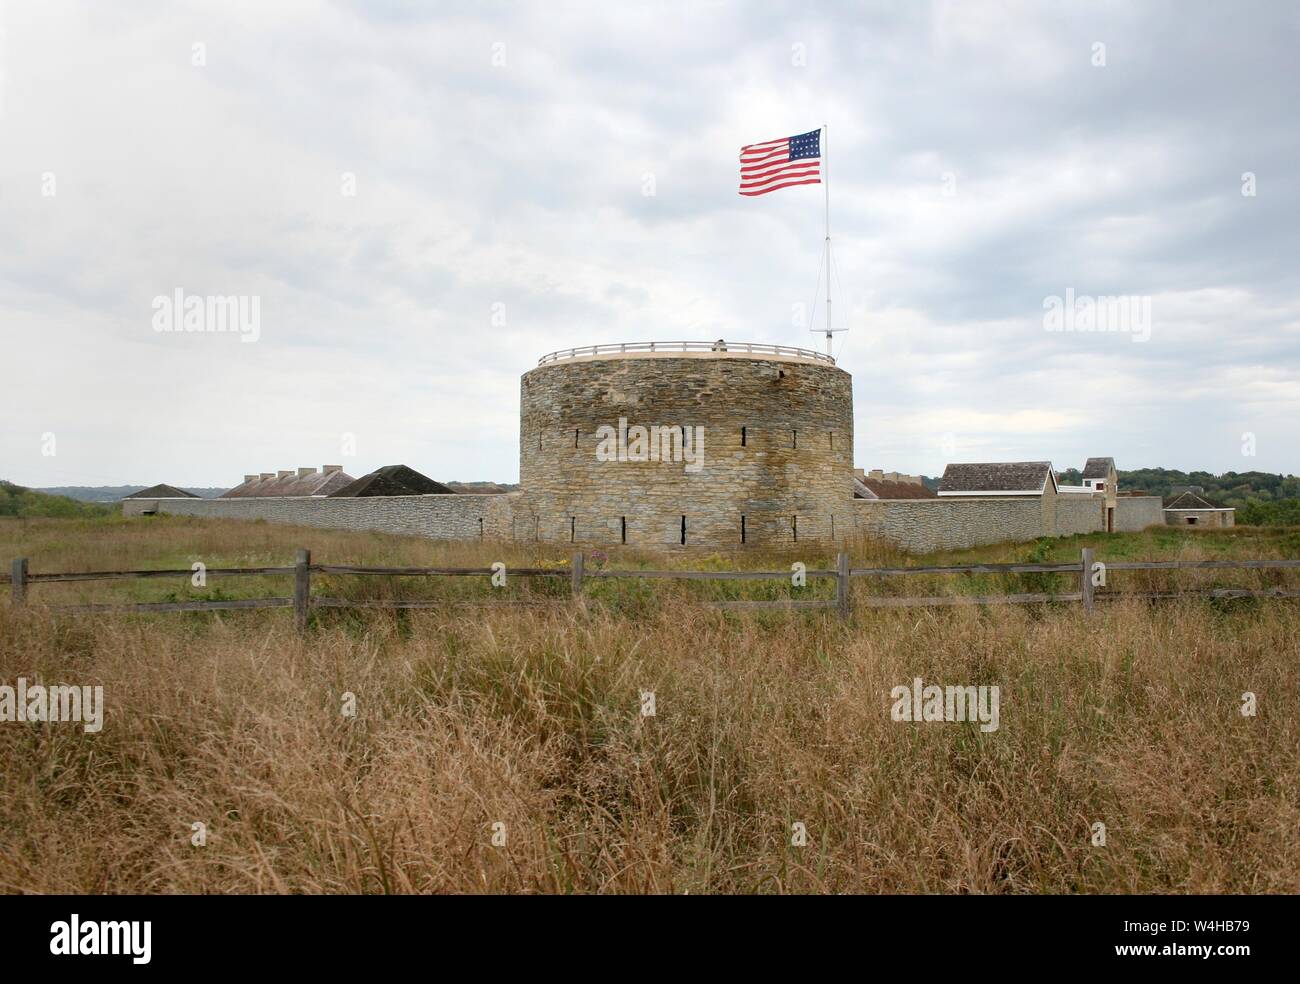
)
(817, 291)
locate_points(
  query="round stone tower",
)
(686, 443)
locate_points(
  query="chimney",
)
(285, 473)
(267, 476)
(250, 478)
(330, 469)
(877, 474)
(304, 472)
(859, 473)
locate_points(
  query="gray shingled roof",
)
(319, 483)
(1098, 467)
(996, 476)
(1190, 500)
(315, 483)
(162, 492)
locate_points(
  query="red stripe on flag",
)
(802, 171)
(781, 154)
(788, 184)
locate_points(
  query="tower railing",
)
(754, 348)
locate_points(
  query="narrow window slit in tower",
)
(573, 529)
(683, 531)
(742, 437)
(623, 523)
(832, 440)
(832, 526)
(794, 527)
(742, 528)
(794, 439)
(575, 439)
(480, 527)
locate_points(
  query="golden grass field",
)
(529, 717)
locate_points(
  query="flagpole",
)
(826, 168)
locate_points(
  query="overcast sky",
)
(984, 158)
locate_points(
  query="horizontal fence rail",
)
(755, 348)
(302, 601)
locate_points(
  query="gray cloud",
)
(516, 190)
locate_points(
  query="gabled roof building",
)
(1192, 509)
(998, 478)
(162, 492)
(304, 481)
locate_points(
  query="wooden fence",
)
(302, 600)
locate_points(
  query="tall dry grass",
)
(530, 718)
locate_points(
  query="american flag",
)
(781, 163)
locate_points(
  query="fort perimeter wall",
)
(916, 525)
(439, 517)
(1137, 512)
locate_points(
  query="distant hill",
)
(1234, 489)
(15, 500)
(111, 493)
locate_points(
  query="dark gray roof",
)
(413, 480)
(162, 492)
(1190, 500)
(997, 476)
(393, 480)
(1098, 467)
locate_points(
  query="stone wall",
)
(1204, 517)
(777, 450)
(1137, 512)
(950, 523)
(1075, 513)
(957, 522)
(439, 517)
(916, 525)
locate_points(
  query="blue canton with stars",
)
(806, 145)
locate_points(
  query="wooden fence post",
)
(302, 590)
(19, 585)
(842, 583)
(577, 574)
(1085, 579)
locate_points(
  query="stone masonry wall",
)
(1204, 517)
(788, 473)
(950, 523)
(439, 517)
(1076, 513)
(1137, 512)
(916, 525)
